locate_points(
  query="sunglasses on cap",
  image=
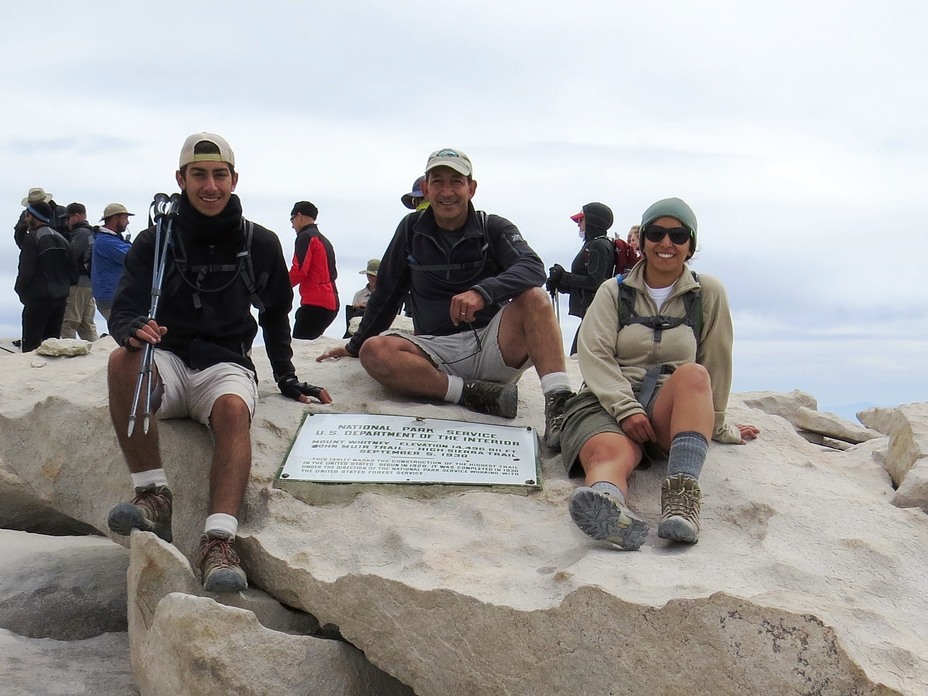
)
(678, 235)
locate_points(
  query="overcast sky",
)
(795, 130)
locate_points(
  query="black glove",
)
(136, 324)
(290, 386)
(555, 273)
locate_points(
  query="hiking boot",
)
(554, 417)
(219, 565)
(605, 518)
(679, 509)
(495, 398)
(150, 511)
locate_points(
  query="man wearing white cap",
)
(481, 317)
(109, 252)
(218, 267)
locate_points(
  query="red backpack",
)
(625, 256)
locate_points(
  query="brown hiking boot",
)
(680, 496)
(495, 398)
(219, 565)
(150, 511)
(554, 416)
(605, 518)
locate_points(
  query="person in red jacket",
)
(313, 269)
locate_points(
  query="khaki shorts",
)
(585, 417)
(469, 354)
(188, 393)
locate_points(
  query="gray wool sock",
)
(609, 489)
(687, 454)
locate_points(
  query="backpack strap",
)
(414, 265)
(242, 268)
(692, 303)
(248, 269)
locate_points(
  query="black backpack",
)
(243, 268)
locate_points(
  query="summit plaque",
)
(363, 448)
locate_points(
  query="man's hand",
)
(335, 354)
(464, 307)
(143, 330)
(638, 428)
(301, 391)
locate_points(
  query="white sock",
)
(555, 382)
(221, 522)
(152, 477)
(455, 389)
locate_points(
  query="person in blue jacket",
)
(109, 253)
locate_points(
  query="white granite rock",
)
(65, 588)
(776, 404)
(806, 578)
(908, 438)
(42, 667)
(64, 347)
(63, 615)
(185, 644)
(832, 426)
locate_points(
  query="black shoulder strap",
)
(470, 265)
(248, 267)
(692, 303)
(242, 268)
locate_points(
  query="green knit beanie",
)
(670, 207)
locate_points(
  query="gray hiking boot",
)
(554, 416)
(495, 398)
(680, 498)
(605, 518)
(219, 565)
(150, 511)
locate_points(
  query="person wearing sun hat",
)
(44, 278)
(56, 221)
(108, 254)
(655, 384)
(415, 200)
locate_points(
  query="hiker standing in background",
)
(109, 252)
(218, 265)
(313, 270)
(655, 355)
(81, 308)
(594, 264)
(626, 251)
(44, 278)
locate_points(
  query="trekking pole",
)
(557, 305)
(165, 208)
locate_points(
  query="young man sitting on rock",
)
(480, 315)
(202, 337)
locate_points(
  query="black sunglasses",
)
(678, 235)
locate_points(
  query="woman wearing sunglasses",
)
(655, 357)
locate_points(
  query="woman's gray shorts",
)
(585, 417)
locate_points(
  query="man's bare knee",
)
(229, 409)
(123, 366)
(375, 353)
(532, 301)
